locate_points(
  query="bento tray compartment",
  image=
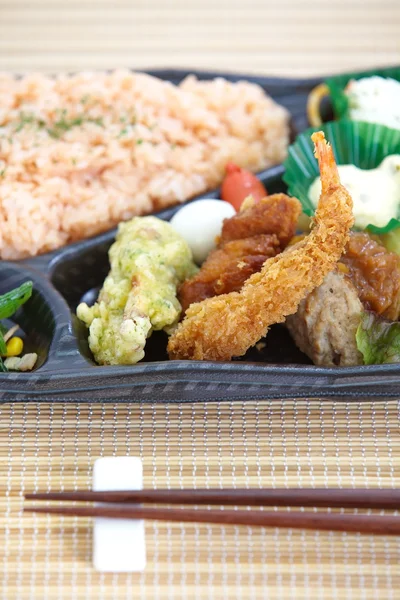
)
(79, 272)
(66, 370)
(44, 321)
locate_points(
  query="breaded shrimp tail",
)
(225, 326)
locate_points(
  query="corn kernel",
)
(14, 346)
(343, 268)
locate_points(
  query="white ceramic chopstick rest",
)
(118, 544)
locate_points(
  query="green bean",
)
(10, 302)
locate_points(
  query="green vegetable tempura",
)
(148, 261)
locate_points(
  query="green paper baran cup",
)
(364, 145)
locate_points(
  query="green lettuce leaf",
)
(378, 340)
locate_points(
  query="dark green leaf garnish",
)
(60, 126)
(25, 119)
(3, 347)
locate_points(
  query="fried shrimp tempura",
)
(225, 326)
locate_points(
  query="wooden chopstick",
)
(367, 524)
(313, 497)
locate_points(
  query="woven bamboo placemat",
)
(283, 37)
(239, 444)
(54, 446)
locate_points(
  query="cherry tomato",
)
(238, 184)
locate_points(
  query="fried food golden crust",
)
(375, 272)
(248, 239)
(225, 326)
(227, 268)
(276, 214)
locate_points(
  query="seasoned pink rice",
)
(80, 153)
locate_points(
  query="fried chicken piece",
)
(227, 268)
(277, 214)
(325, 324)
(225, 326)
(375, 272)
(256, 233)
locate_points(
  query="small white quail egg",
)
(200, 223)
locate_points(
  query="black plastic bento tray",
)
(66, 370)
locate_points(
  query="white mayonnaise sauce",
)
(375, 192)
